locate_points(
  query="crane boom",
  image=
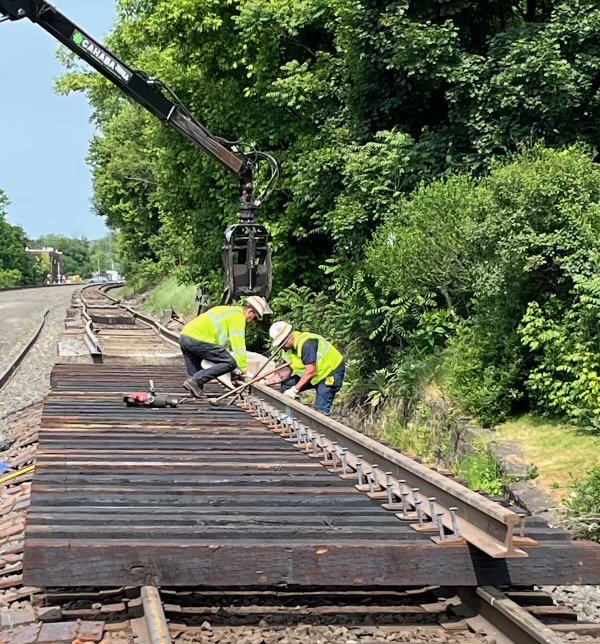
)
(246, 254)
(144, 90)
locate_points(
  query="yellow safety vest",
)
(328, 357)
(222, 325)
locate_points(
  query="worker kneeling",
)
(315, 363)
(218, 336)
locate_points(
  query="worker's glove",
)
(237, 375)
(292, 392)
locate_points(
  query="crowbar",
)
(273, 358)
(237, 390)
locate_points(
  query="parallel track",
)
(8, 372)
(10, 289)
(181, 614)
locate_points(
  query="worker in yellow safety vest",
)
(315, 363)
(218, 336)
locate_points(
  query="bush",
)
(9, 278)
(483, 368)
(531, 337)
(495, 279)
(583, 504)
(425, 246)
(565, 376)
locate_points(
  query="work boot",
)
(194, 388)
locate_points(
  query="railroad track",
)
(264, 520)
(9, 289)
(10, 369)
(115, 331)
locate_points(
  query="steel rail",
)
(481, 522)
(29, 288)
(502, 618)
(89, 337)
(169, 335)
(158, 629)
(505, 615)
(8, 372)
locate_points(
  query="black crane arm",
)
(246, 252)
(148, 92)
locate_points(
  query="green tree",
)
(17, 268)
(328, 85)
(530, 335)
(373, 109)
(105, 253)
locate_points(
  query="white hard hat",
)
(259, 304)
(279, 332)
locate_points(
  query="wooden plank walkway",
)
(208, 496)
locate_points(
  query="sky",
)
(44, 137)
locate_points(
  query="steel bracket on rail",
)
(435, 498)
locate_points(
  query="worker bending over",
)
(219, 336)
(315, 364)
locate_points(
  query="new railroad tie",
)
(204, 495)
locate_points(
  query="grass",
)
(561, 454)
(137, 286)
(170, 294)
(414, 439)
(479, 469)
(481, 472)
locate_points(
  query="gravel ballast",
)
(21, 312)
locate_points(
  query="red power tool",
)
(150, 399)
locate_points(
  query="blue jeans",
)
(325, 393)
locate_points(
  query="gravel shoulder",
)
(20, 312)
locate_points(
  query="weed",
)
(481, 472)
(412, 438)
(583, 505)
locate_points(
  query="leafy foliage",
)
(438, 211)
(583, 504)
(359, 101)
(565, 378)
(17, 268)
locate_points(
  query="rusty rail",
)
(162, 330)
(481, 522)
(8, 372)
(158, 630)
(89, 336)
(505, 615)
(93, 336)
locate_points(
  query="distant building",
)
(55, 260)
(113, 276)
